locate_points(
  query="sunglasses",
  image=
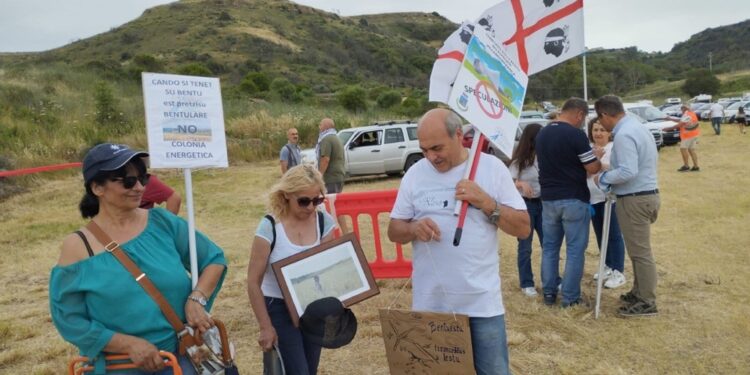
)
(305, 201)
(128, 182)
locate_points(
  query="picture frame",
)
(336, 268)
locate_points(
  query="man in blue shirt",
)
(633, 178)
(565, 158)
(290, 155)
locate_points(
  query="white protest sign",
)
(489, 91)
(184, 121)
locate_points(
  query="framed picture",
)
(336, 268)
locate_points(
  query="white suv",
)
(389, 148)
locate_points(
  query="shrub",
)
(107, 112)
(259, 79)
(195, 69)
(353, 98)
(701, 81)
(389, 99)
(285, 90)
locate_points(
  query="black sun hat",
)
(327, 323)
(107, 157)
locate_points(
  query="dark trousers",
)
(615, 244)
(525, 274)
(300, 356)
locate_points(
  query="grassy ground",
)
(700, 241)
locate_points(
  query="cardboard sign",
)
(489, 91)
(427, 343)
(184, 121)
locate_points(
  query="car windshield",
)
(649, 113)
(639, 118)
(736, 105)
(344, 136)
(531, 114)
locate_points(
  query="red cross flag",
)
(537, 34)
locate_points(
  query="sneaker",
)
(615, 281)
(640, 308)
(629, 298)
(607, 273)
(695, 169)
(550, 299)
(529, 291)
(684, 168)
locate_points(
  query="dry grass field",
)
(701, 244)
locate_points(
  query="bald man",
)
(464, 279)
(330, 154)
(290, 155)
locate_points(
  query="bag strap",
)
(321, 227)
(141, 278)
(292, 157)
(85, 242)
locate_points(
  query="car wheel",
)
(411, 160)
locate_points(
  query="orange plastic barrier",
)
(47, 168)
(73, 370)
(371, 203)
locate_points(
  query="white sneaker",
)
(615, 281)
(529, 291)
(607, 273)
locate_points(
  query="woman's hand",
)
(524, 188)
(197, 317)
(266, 338)
(144, 354)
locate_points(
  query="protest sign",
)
(489, 91)
(427, 343)
(184, 121)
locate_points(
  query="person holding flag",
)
(465, 279)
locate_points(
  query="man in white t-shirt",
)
(717, 114)
(463, 279)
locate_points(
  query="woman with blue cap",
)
(95, 303)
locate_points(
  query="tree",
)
(353, 98)
(701, 81)
(388, 99)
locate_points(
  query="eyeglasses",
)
(305, 201)
(128, 182)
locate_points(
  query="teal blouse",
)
(95, 298)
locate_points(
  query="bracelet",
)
(201, 292)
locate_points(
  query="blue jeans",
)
(567, 218)
(300, 356)
(615, 245)
(525, 274)
(716, 123)
(490, 345)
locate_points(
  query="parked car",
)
(389, 148)
(656, 121)
(673, 110)
(730, 112)
(490, 149)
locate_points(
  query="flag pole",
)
(585, 82)
(471, 170)
(191, 227)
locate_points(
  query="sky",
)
(650, 25)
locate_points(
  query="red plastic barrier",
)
(372, 203)
(47, 168)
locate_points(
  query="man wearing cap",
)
(633, 178)
(689, 132)
(463, 279)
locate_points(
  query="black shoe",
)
(629, 298)
(695, 169)
(550, 299)
(577, 302)
(640, 308)
(684, 168)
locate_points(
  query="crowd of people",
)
(557, 183)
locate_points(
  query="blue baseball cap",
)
(107, 157)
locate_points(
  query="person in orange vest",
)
(689, 132)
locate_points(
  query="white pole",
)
(469, 162)
(191, 227)
(603, 250)
(585, 82)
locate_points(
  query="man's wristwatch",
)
(200, 300)
(495, 215)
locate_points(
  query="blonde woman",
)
(295, 226)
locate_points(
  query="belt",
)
(532, 199)
(639, 193)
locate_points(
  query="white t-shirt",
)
(717, 110)
(597, 195)
(470, 273)
(285, 248)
